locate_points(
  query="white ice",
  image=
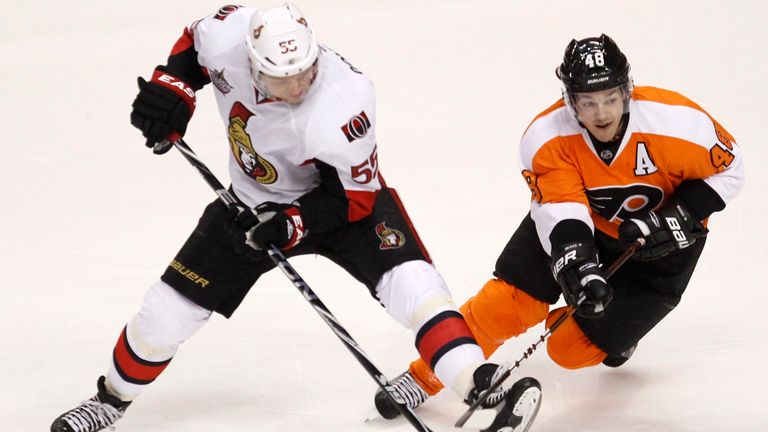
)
(90, 217)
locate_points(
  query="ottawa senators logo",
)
(240, 142)
(390, 238)
(356, 127)
(225, 11)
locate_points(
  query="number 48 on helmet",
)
(594, 64)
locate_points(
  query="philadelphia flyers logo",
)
(619, 203)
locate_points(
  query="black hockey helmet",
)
(593, 64)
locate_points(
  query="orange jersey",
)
(668, 139)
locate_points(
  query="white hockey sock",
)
(151, 338)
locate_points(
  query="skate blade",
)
(480, 419)
(372, 416)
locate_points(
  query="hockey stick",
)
(279, 259)
(569, 311)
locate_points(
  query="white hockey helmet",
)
(280, 42)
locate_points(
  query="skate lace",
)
(92, 415)
(411, 392)
(500, 393)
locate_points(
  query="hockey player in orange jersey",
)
(606, 164)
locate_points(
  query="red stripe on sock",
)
(132, 366)
(442, 335)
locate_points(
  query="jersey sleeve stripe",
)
(556, 105)
(676, 121)
(728, 183)
(547, 126)
(548, 215)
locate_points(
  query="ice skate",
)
(95, 414)
(409, 391)
(515, 408)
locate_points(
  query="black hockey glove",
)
(667, 230)
(162, 108)
(278, 224)
(238, 221)
(243, 218)
(575, 266)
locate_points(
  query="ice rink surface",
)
(90, 217)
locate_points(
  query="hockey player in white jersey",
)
(301, 128)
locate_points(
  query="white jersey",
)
(278, 149)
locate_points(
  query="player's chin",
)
(294, 100)
(604, 132)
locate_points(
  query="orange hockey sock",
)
(569, 347)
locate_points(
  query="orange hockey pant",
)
(500, 311)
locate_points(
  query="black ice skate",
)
(95, 414)
(409, 391)
(515, 408)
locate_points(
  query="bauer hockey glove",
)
(278, 224)
(575, 267)
(669, 229)
(163, 107)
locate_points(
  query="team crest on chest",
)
(390, 238)
(250, 162)
(621, 202)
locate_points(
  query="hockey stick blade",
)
(462, 421)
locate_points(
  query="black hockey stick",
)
(569, 311)
(279, 259)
